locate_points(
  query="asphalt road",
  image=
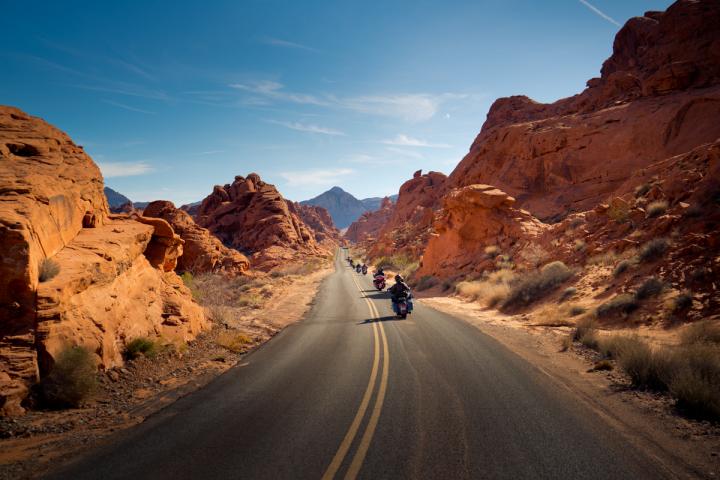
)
(351, 391)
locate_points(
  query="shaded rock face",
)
(202, 252)
(52, 206)
(368, 226)
(570, 155)
(318, 219)
(251, 216)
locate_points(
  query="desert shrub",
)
(426, 282)
(614, 345)
(566, 342)
(655, 209)
(576, 310)
(586, 332)
(647, 368)
(579, 245)
(219, 314)
(649, 288)
(529, 288)
(48, 269)
(189, 282)
(696, 383)
(619, 211)
(705, 331)
(233, 341)
(492, 290)
(277, 274)
(641, 190)
(251, 300)
(448, 284)
(567, 293)
(682, 302)
(622, 267)
(141, 346)
(653, 250)
(410, 270)
(72, 379)
(534, 254)
(396, 262)
(623, 303)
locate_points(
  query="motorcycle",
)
(379, 282)
(401, 306)
(358, 267)
(364, 269)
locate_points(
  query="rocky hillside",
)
(623, 173)
(251, 216)
(71, 273)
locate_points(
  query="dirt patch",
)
(685, 447)
(29, 445)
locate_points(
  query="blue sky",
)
(171, 98)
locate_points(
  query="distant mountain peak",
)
(344, 208)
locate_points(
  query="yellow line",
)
(350, 435)
(355, 425)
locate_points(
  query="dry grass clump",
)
(306, 267)
(586, 332)
(491, 290)
(622, 267)
(576, 310)
(251, 300)
(233, 341)
(189, 282)
(535, 255)
(141, 346)
(579, 245)
(705, 331)
(649, 288)
(533, 286)
(696, 380)
(682, 302)
(606, 258)
(567, 293)
(613, 346)
(653, 250)
(623, 303)
(641, 190)
(602, 365)
(48, 269)
(72, 379)
(655, 209)
(396, 262)
(647, 368)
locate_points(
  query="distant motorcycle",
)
(364, 269)
(379, 282)
(358, 268)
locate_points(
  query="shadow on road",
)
(389, 318)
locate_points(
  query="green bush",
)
(72, 380)
(653, 250)
(141, 346)
(623, 303)
(48, 270)
(650, 287)
(529, 288)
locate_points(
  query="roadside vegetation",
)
(48, 270)
(72, 379)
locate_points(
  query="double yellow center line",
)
(352, 432)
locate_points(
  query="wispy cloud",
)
(307, 127)
(404, 152)
(126, 89)
(403, 140)
(127, 107)
(315, 177)
(124, 169)
(278, 42)
(600, 13)
(410, 107)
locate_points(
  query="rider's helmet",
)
(398, 278)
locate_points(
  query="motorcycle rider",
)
(379, 272)
(398, 290)
(364, 269)
(358, 267)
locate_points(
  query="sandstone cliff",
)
(113, 276)
(368, 226)
(318, 219)
(202, 252)
(251, 216)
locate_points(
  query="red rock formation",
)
(52, 206)
(572, 154)
(318, 219)
(202, 252)
(251, 216)
(367, 228)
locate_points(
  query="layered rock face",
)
(53, 212)
(251, 216)
(368, 226)
(658, 96)
(202, 252)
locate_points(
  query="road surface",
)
(352, 392)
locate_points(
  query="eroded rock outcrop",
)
(318, 219)
(113, 277)
(202, 252)
(658, 96)
(251, 216)
(367, 228)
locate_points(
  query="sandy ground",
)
(647, 419)
(126, 396)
